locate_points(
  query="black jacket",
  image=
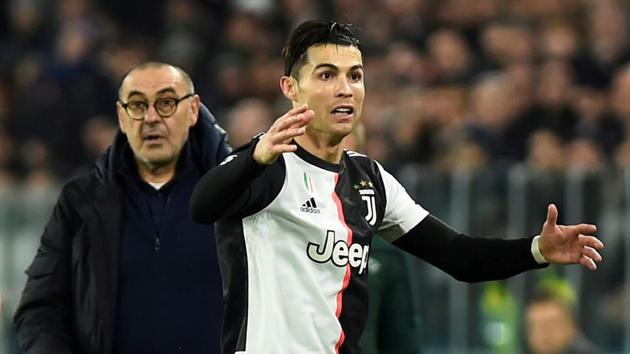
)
(68, 304)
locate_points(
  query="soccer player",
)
(296, 214)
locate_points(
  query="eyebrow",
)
(334, 67)
(162, 91)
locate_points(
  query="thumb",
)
(552, 215)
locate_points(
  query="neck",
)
(156, 174)
(329, 150)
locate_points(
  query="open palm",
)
(569, 244)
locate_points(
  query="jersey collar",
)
(314, 160)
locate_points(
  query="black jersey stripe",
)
(346, 278)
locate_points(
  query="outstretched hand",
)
(277, 139)
(569, 244)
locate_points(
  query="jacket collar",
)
(200, 152)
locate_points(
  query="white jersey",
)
(294, 253)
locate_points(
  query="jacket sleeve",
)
(209, 139)
(465, 258)
(43, 318)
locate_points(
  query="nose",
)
(343, 88)
(151, 116)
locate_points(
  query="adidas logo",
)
(310, 206)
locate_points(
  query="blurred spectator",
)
(451, 56)
(294, 12)
(585, 155)
(551, 328)
(248, 118)
(553, 96)
(559, 40)
(606, 46)
(620, 97)
(546, 152)
(407, 65)
(67, 65)
(429, 124)
(35, 157)
(27, 28)
(495, 124)
(183, 43)
(594, 119)
(505, 43)
(98, 133)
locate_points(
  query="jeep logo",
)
(339, 252)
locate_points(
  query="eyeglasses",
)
(164, 106)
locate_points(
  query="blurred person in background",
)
(493, 124)
(551, 327)
(98, 133)
(451, 56)
(546, 152)
(559, 40)
(585, 155)
(506, 43)
(121, 267)
(553, 98)
(620, 98)
(248, 118)
(606, 41)
(296, 215)
(595, 120)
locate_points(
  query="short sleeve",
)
(402, 213)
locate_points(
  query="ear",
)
(289, 87)
(194, 109)
(120, 111)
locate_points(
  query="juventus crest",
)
(366, 190)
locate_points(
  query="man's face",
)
(549, 328)
(157, 141)
(331, 83)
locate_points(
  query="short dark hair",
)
(555, 296)
(314, 32)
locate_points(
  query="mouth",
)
(152, 138)
(343, 112)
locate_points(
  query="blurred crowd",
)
(454, 84)
(451, 84)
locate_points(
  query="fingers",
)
(278, 149)
(296, 117)
(592, 254)
(285, 135)
(591, 241)
(588, 263)
(290, 125)
(277, 139)
(583, 229)
(552, 215)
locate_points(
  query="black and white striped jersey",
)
(294, 240)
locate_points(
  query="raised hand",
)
(569, 244)
(277, 139)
